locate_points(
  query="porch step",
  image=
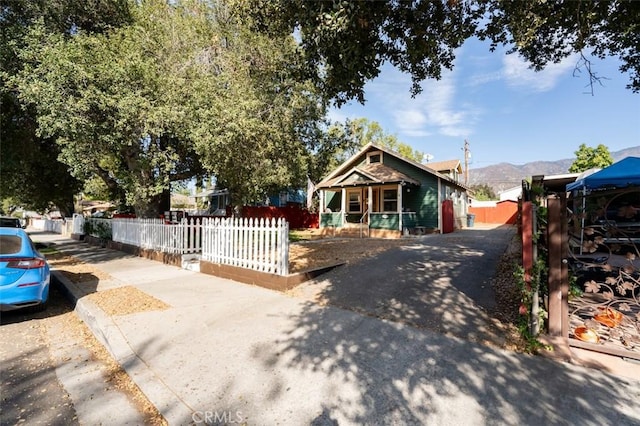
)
(353, 231)
(191, 262)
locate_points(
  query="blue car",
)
(24, 272)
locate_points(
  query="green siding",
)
(422, 200)
(409, 220)
(333, 200)
(384, 221)
(331, 219)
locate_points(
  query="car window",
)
(10, 244)
(8, 222)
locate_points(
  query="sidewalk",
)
(225, 352)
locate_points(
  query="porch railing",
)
(331, 219)
(364, 215)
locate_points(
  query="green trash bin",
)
(470, 219)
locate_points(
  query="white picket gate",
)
(78, 224)
(258, 244)
(156, 234)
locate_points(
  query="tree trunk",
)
(156, 206)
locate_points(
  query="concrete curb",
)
(168, 403)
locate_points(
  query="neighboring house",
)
(450, 168)
(287, 197)
(215, 201)
(388, 195)
(512, 194)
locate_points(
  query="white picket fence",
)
(156, 234)
(57, 226)
(78, 224)
(258, 244)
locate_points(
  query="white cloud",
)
(435, 111)
(411, 122)
(518, 74)
(480, 79)
(441, 112)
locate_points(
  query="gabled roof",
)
(369, 173)
(351, 164)
(447, 165)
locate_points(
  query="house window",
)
(284, 197)
(354, 202)
(375, 157)
(390, 200)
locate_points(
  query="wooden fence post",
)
(558, 270)
(526, 226)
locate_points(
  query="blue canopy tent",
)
(622, 174)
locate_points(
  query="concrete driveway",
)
(440, 282)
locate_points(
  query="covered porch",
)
(368, 203)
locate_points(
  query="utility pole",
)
(467, 155)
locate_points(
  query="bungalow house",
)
(380, 193)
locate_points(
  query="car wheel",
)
(38, 308)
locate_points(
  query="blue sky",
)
(505, 111)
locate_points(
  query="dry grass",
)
(309, 255)
(126, 300)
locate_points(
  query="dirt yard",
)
(318, 253)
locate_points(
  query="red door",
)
(447, 216)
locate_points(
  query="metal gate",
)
(596, 236)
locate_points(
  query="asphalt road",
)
(31, 391)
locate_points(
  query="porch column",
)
(369, 203)
(400, 207)
(321, 207)
(439, 205)
(344, 206)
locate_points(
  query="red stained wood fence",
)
(297, 217)
(504, 212)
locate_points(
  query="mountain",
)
(505, 175)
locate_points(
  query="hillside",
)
(504, 175)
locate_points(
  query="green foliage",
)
(99, 228)
(345, 43)
(8, 205)
(331, 148)
(527, 290)
(359, 132)
(95, 189)
(181, 91)
(256, 124)
(111, 104)
(588, 158)
(364, 132)
(30, 170)
(483, 192)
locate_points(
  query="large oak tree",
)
(182, 90)
(346, 42)
(30, 171)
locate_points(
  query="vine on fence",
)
(96, 229)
